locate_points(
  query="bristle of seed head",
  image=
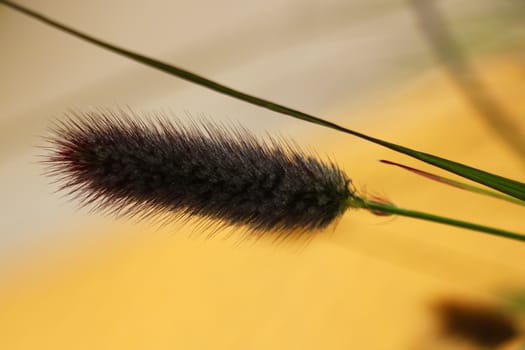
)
(126, 166)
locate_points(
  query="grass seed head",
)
(122, 165)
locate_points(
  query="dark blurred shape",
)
(484, 325)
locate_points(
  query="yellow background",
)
(100, 283)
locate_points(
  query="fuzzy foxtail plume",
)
(201, 170)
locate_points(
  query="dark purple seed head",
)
(125, 166)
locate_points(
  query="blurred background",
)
(446, 77)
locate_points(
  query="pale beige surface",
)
(93, 283)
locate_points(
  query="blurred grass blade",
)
(511, 187)
(434, 26)
(515, 300)
(455, 183)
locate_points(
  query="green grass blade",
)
(457, 184)
(508, 186)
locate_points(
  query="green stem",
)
(357, 202)
(511, 187)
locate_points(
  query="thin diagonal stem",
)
(358, 202)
